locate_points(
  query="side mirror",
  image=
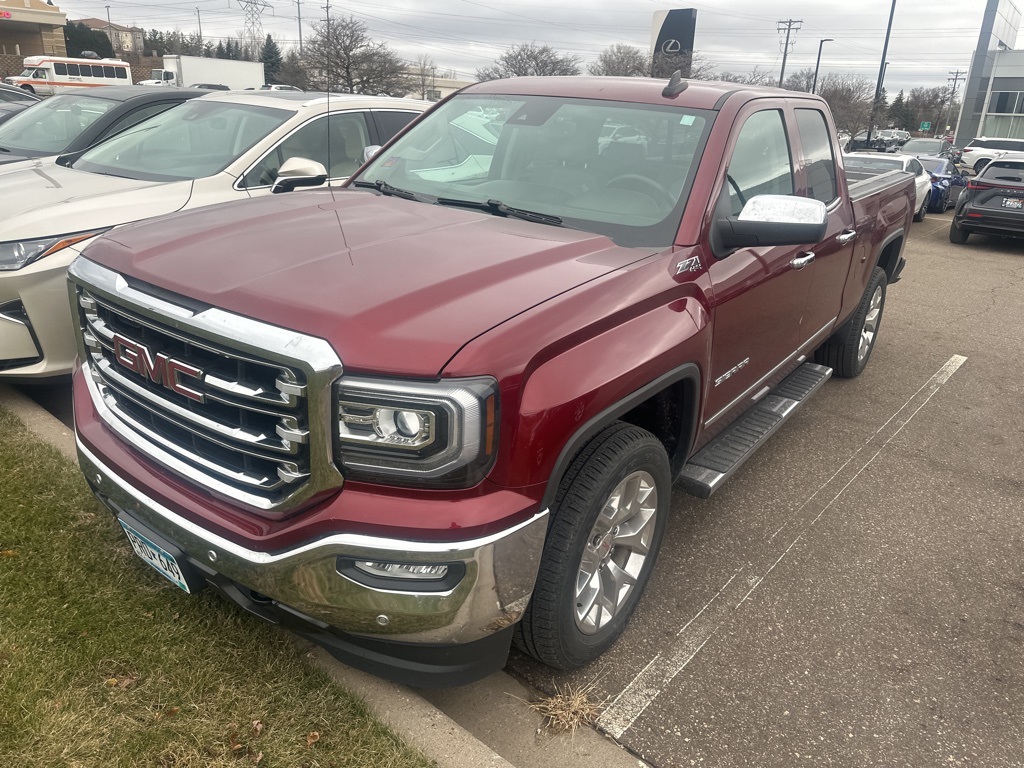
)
(773, 220)
(370, 151)
(298, 172)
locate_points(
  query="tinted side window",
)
(389, 123)
(348, 137)
(122, 73)
(108, 71)
(761, 162)
(60, 68)
(915, 167)
(73, 70)
(820, 163)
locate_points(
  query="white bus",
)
(47, 75)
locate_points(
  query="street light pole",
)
(814, 86)
(200, 19)
(110, 30)
(881, 71)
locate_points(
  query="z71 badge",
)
(688, 265)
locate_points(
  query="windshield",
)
(619, 169)
(872, 164)
(923, 145)
(47, 128)
(193, 140)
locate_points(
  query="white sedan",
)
(217, 148)
(861, 165)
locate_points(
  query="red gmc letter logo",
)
(162, 370)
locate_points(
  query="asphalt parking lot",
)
(855, 595)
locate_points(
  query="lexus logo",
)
(671, 47)
(159, 368)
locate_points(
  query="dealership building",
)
(993, 103)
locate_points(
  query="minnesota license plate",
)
(1013, 202)
(156, 556)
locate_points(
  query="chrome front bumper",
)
(500, 572)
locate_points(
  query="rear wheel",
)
(957, 234)
(919, 216)
(848, 350)
(607, 524)
(980, 166)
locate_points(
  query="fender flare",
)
(686, 372)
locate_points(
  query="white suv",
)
(979, 152)
(213, 149)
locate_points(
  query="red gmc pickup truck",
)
(442, 410)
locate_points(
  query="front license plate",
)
(158, 557)
(1013, 202)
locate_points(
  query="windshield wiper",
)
(5, 149)
(386, 189)
(498, 208)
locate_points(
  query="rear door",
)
(818, 179)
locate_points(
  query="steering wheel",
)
(634, 182)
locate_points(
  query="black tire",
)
(980, 166)
(919, 216)
(552, 629)
(28, 88)
(940, 205)
(843, 351)
(957, 234)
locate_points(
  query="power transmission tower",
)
(252, 32)
(791, 26)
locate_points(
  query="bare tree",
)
(530, 59)
(425, 74)
(850, 98)
(756, 76)
(801, 80)
(621, 60)
(341, 56)
(291, 71)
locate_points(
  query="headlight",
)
(433, 434)
(17, 253)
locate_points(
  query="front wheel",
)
(28, 88)
(607, 524)
(848, 350)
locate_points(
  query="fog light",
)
(402, 570)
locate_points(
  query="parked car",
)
(844, 140)
(70, 122)
(947, 182)
(902, 137)
(931, 148)
(992, 203)
(445, 407)
(979, 152)
(211, 86)
(279, 87)
(224, 146)
(863, 165)
(13, 100)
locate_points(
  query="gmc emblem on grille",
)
(159, 368)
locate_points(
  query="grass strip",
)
(104, 663)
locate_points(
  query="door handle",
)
(846, 236)
(802, 260)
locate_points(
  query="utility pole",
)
(110, 29)
(788, 25)
(956, 76)
(298, 9)
(200, 18)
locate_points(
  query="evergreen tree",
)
(219, 52)
(78, 38)
(272, 60)
(292, 71)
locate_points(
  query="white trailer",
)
(200, 70)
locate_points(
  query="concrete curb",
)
(414, 719)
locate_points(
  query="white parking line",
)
(663, 668)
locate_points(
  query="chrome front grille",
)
(215, 403)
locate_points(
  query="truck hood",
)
(41, 198)
(394, 285)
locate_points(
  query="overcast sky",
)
(930, 38)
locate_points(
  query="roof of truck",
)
(699, 94)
